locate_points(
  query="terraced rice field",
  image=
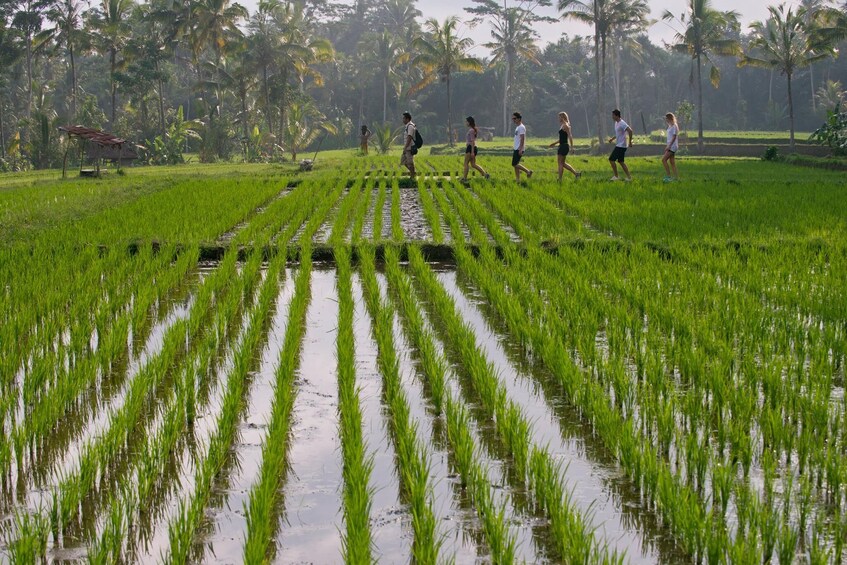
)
(338, 366)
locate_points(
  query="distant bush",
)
(771, 154)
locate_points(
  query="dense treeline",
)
(211, 77)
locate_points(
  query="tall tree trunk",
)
(161, 102)
(73, 80)
(113, 56)
(506, 85)
(266, 89)
(449, 115)
(812, 81)
(384, 97)
(699, 107)
(602, 95)
(597, 89)
(25, 134)
(790, 113)
(2, 134)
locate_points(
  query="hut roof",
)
(94, 135)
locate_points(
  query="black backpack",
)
(418, 142)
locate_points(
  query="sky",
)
(661, 31)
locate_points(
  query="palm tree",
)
(69, 31)
(390, 53)
(604, 15)
(707, 33)
(440, 54)
(111, 29)
(400, 17)
(786, 43)
(513, 40)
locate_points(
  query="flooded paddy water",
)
(162, 453)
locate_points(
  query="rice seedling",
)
(413, 465)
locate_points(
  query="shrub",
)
(771, 154)
(833, 132)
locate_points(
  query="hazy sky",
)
(660, 31)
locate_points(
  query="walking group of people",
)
(622, 140)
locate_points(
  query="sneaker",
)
(667, 179)
(577, 176)
(487, 176)
(529, 174)
(615, 178)
(628, 179)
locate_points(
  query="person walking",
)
(564, 143)
(471, 150)
(671, 148)
(622, 130)
(364, 137)
(408, 158)
(519, 147)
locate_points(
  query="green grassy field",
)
(248, 362)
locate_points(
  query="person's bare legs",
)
(518, 169)
(567, 166)
(673, 166)
(614, 168)
(477, 167)
(561, 166)
(468, 157)
(665, 158)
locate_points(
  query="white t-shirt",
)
(620, 133)
(673, 131)
(409, 131)
(520, 130)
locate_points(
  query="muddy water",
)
(600, 490)
(310, 531)
(225, 537)
(390, 519)
(368, 227)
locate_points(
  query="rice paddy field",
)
(232, 364)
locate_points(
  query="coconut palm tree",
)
(513, 39)
(785, 42)
(69, 32)
(604, 16)
(707, 32)
(440, 53)
(110, 25)
(389, 52)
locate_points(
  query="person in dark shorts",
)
(564, 143)
(471, 149)
(671, 148)
(519, 147)
(622, 130)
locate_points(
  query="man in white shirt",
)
(622, 130)
(408, 159)
(520, 145)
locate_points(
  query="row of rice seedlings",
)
(499, 536)
(361, 212)
(339, 211)
(345, 211)
(430, 213)
(412, 457)
(148, 473)
(534, 465)
(396, 226)
(99, 451)
(261, 511)
(64, 396)
(182, 528)
(275, 216)
(73, 487)
(379, 207)
(357, 538)
(61, 336)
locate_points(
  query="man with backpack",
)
(410, 147)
